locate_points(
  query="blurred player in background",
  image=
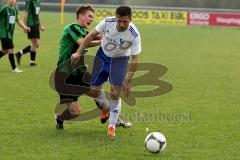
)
(8, 17)
(121, 40)
(32, 20)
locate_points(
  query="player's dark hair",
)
(84, 9)
(124, 11)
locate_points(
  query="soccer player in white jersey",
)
(121, 40)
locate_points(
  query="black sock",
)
(67, 115)
(59, 121)
(26, 49)
(98, 105)
(1, 54)
(11, 60)
(33, 55)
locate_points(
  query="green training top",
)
(68, 46)
(9, 15)
(32, 7)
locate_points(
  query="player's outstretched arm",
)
(23, 26)
(83, 44)
(94, 43)
(87, 40)
(25, 17)
(41, 27)
(128, 81)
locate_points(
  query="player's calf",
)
(70, 113)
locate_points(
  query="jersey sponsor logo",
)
(125, 44)
(111, 45)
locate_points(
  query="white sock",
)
(102, 100)
(115, 109)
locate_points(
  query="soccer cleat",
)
(123, 124)
(104, 117)
(17, 70)
(111, 132)
(18, 56)
(59, 123)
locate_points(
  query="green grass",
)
(203, 67)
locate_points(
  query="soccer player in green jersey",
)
(32, 20)
(9, 15)
(72, 37)
(79, 79)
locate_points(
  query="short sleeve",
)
(2, 11)
(75, 33)
(136, 46)
(17, 15)
(100, 28)
(27, 5)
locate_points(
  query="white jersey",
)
(118, 44)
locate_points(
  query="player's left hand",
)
(127, 85)
(42, 28)
(75, 58)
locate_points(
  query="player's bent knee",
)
(115, 96)
(115, 93)
(94, 92)
(36, 45)
(75, 108)
(11, 51)
(75, 112)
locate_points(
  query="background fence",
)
(223, 4)
(179, 12)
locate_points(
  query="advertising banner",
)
(148, 16)
(198, 19)
(168, 17)
(225, 19)
(213, 19)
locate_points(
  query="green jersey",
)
(32, 7)
(9, 15)
(68, 46)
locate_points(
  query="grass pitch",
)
(199, 117)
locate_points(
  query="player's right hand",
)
(75, 58)
(27, 29)
(127, 85)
